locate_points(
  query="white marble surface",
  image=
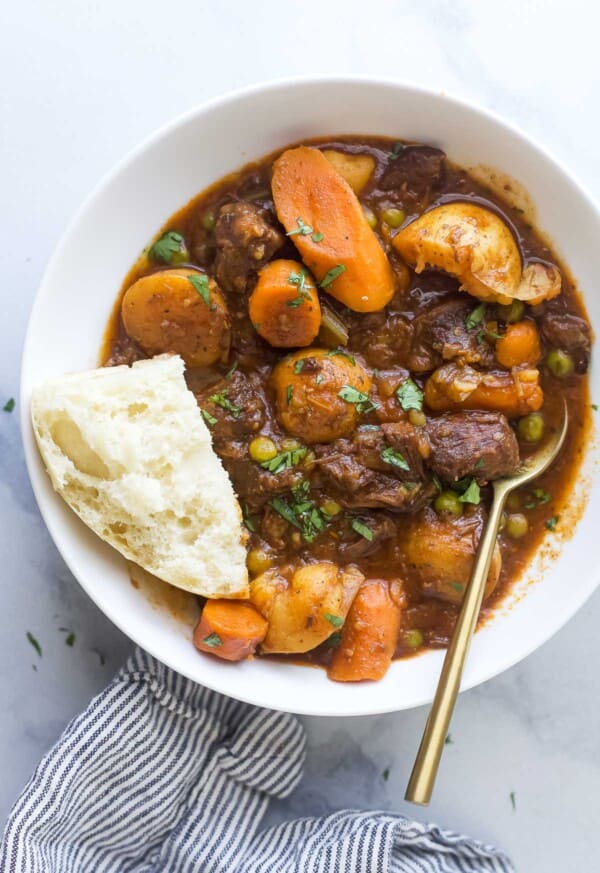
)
(81, 84)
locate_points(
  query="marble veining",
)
(93, 81)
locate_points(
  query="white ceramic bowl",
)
(127, 209)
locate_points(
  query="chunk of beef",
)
(353, 546)
(416, 173)
(479, 444)
(246, 239)
(569, 333)
(384, 339)
(441, 334)
(356, 472)
(237, 403)
(254, 485)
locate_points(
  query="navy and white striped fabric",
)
(160, 775)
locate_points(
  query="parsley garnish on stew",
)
(213, 640)
(9, 405)
(289, 393)
(332, 274)
(410, 396)
(344, 354)
(298, 366)
(391, 456)
(538, 498)
(475, 317)
(221, 399)
(169, 249)
(200, 285)
(361, 528)
(303, 229)
(208, 418)
(248, 520)
(334, 640)
(285, 460)
(335, 620)
(471, 494)
(552, 522)
(397, 149)
(300, 511)
(362, 401)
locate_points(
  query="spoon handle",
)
(422, 779)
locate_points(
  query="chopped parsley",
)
(391, 456)
(248, 520)
(319, 379)
(485, 333)
(301, 512)
(344, 353)
(552, 522)
(471, 494)
(231, 370)
(34, 643)
(594, 407)
(208, 418)
(221, 399)
(9, 405)
(480, 463)
(331, 275)
(285, 460)
(335, 620)
(475, 317)
(448, 741)
(213, 640)
(334, 640)
(513, 801)
(289, 393)
(410, 396)
(361, 400)
(70, 639)
(437, 482)
(458, 586)
(298, 366)
(200, 285)
(386, 774)
(361, 528)
(303, 229)
(169, 249)
(538, 498)
(397, 149)
(317, 237)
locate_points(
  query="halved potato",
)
(304, 605)
(476, 246)
(355, 169)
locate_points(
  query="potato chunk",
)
(180, 311)
(355, 169)
(304, 605)
(308, 385)
(478, 248)
(441, 551)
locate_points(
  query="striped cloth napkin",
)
(160, 775)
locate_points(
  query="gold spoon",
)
(422, 779)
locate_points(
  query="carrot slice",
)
(369, 635)
(229, 629)
(520, 345)
(284, 306)
(324, 218)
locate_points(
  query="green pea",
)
(511, 312)
(413, 638)
(531, 427)
(393, 217)
(209, 221)
(370, 216)
(559, 363)
(516, 525)
(448, 502)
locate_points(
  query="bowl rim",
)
(503, 662)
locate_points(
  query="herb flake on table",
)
(448, 741)
(394, 458)
(70, 639)
(410, 396)
(386, 774)
(331, 275)
(513, 801)
(9, 405)
(32, 640)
